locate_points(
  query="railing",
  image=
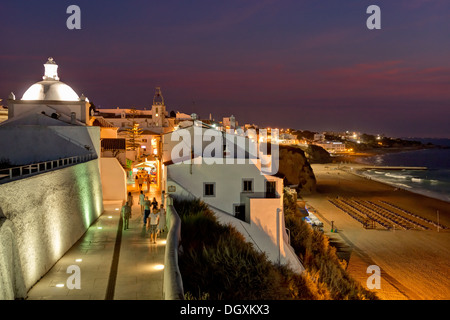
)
(9, 174)
(173, 283)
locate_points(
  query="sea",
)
(433, 182)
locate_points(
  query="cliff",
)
(316, 154)
(295, 169)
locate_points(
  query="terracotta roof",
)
(113, 144)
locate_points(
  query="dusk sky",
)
(309, 65)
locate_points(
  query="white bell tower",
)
(158, 109)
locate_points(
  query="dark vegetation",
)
(5, 163)
(319, 257)
(217, 263)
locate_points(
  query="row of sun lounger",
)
(408, 223)
(358, 215)
(415, 215)
(367, 212)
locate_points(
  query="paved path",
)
(115, 264)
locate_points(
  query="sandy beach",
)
(414, 263)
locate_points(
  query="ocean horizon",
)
(433, 182)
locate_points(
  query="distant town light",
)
(60, 285)
(158, 267)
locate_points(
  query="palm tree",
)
(134, 136)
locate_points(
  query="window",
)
(247, 185)
(239, 211)
(144, 140)
(209, 189)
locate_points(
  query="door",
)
(271, 187)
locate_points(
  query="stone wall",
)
(43, 216)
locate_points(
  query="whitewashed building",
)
(234, 184)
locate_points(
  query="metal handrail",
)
(9, 174)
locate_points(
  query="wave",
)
(438, 189)
(396, 176)
(402, 185)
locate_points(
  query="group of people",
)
(142, 177)
(154, 217)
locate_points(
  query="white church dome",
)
(50, 88)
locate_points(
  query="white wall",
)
(228, 181)
(89, 136)
(106, 132)
(114, 179)
(32, 144)
(49, 213)
(262, 233)
(81, 108)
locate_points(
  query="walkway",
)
(114, 264)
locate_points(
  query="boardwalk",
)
(114, 264)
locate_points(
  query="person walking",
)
(154, 220)
(162, 220)
(141, 201)
(147, 206)
(140, 181)
(126, 213)
(149, 181)
(154, 204)
(130, 202)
